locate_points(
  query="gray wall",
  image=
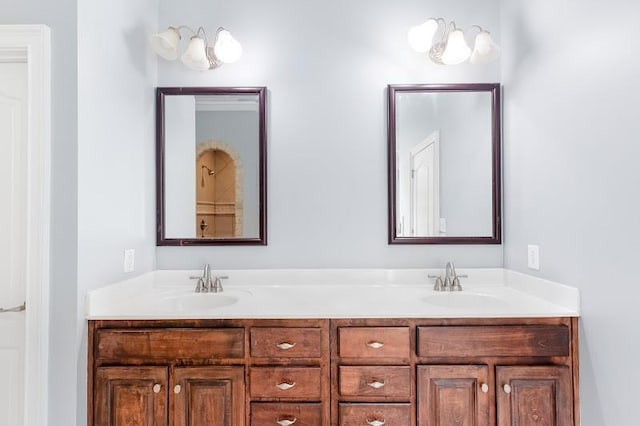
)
(571, 177)
(61, 17)
(238, 129)
(116, 151)
(327, 65)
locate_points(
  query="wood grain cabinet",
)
(453, 395)
(534, 395)
(209, 373)
(207, 396)
(126, 396)
(338, 372)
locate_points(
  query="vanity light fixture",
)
(200, 55)
(448, 46)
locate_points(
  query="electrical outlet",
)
(533, 257)
(129, 260)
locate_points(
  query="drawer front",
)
(375, 414)
(375, 381)
(475, 341)
(267, 342)
(269, 413)
(284, 382)
(374, 342)
(148, 344)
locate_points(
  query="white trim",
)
(36, 40)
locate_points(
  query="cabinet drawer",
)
(476, 341)
(375, 414)
(146, 344)
(374, 342)
(285, 382)
(268, 413)
(286, 342)
(375, 381)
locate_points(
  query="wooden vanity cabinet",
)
(341, 372)
(466, 372)
(209, 373)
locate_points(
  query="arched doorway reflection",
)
(218, 192)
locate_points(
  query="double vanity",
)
(480, 347)
(334, 347)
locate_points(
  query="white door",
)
(13, 239)
(425, 184)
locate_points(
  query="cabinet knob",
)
(177, 389)
(288, 421)
(285, 346)
(286, 385)
(157, 388)
(376, 384)
(375, 345)
(507, 388)
(376, 422)
(484, 387)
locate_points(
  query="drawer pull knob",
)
(376, 384)
(286, 421)
(376, 422)
(286, 385)
(156, 388)
(484, 387)
(285, 346)
(375, 345)
(177, 389)
(507, 389)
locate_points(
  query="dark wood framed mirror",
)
(444, 169)
(211, 166)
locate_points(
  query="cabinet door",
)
(130, 396)
(453, 395)
(208, 396)
(534, 396)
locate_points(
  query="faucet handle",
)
(438, 284)
(200, 286)
(216, 286)
(455, 285)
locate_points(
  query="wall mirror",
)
(211, 166)
(444, 164)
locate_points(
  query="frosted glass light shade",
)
(485, 49)
(227, 48)
(195, 57)
(165, 43)
(457, 50)
(420, 37)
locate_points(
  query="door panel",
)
(456, 395)
(534, 396)
(131, 396)
(13, 233)
(425, 183)
(208, 396)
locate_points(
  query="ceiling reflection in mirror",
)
(213, 167)
(444, 146)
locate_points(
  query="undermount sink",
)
(196, 302)
(466, 301)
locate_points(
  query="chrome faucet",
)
(451, 280)
(206, 284)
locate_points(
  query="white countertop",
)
(334, 293)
